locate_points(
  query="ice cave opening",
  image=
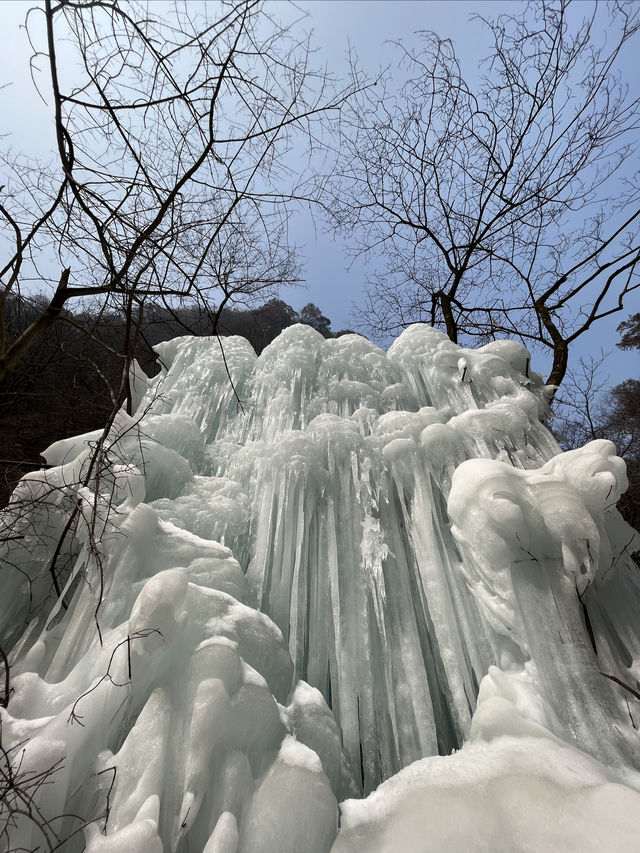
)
(324, 599)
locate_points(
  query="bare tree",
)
(587, 407)
(503, 206)
(579, 408)
(169, 182)
(168, 185)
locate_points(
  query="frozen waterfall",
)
(324, 599)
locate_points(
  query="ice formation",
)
(328, 598)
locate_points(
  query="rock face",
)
(287, 578)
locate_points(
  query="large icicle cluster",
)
(285, 579)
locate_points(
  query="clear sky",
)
(365, 25)
(368, 27)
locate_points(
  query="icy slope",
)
(285, 579)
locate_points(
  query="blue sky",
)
(369, 27)
(366, 26)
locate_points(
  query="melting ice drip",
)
(372, 561)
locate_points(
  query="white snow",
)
(357, 574)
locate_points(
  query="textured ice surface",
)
(518, 793)
(286, 580)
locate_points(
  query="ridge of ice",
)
(349, 572)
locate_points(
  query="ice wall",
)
(287, 578)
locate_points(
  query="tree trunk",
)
(21, 345)
(560, 346)
(447, 313)
(560, 360)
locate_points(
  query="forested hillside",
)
(70, 379)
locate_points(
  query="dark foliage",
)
(631, 332)
(69, 381)
(623, 427)
(622, 424)
(589, 409)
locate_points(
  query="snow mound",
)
(322, 574)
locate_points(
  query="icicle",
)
(289, 578)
